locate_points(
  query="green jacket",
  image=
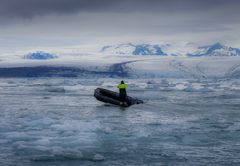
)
(123, 86)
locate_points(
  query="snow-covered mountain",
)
(216, 49)
(179, 49)
(189, 49)
(132, 49)
(78, 63)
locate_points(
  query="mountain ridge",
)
(128, 49)
(133, 49)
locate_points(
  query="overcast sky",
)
(75, 22)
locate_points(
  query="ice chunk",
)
(98, 157)
(40, 56)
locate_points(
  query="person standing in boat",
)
(122, 92)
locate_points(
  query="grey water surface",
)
(57, 121)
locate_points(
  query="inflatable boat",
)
(111, 97)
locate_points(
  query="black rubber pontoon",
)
(111, 97)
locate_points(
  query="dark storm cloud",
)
(75, 21)
(31, 8)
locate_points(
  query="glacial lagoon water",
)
(57, 121)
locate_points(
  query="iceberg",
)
(40, 56)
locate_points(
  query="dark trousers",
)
(122, 94)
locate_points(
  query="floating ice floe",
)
(98, 157)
